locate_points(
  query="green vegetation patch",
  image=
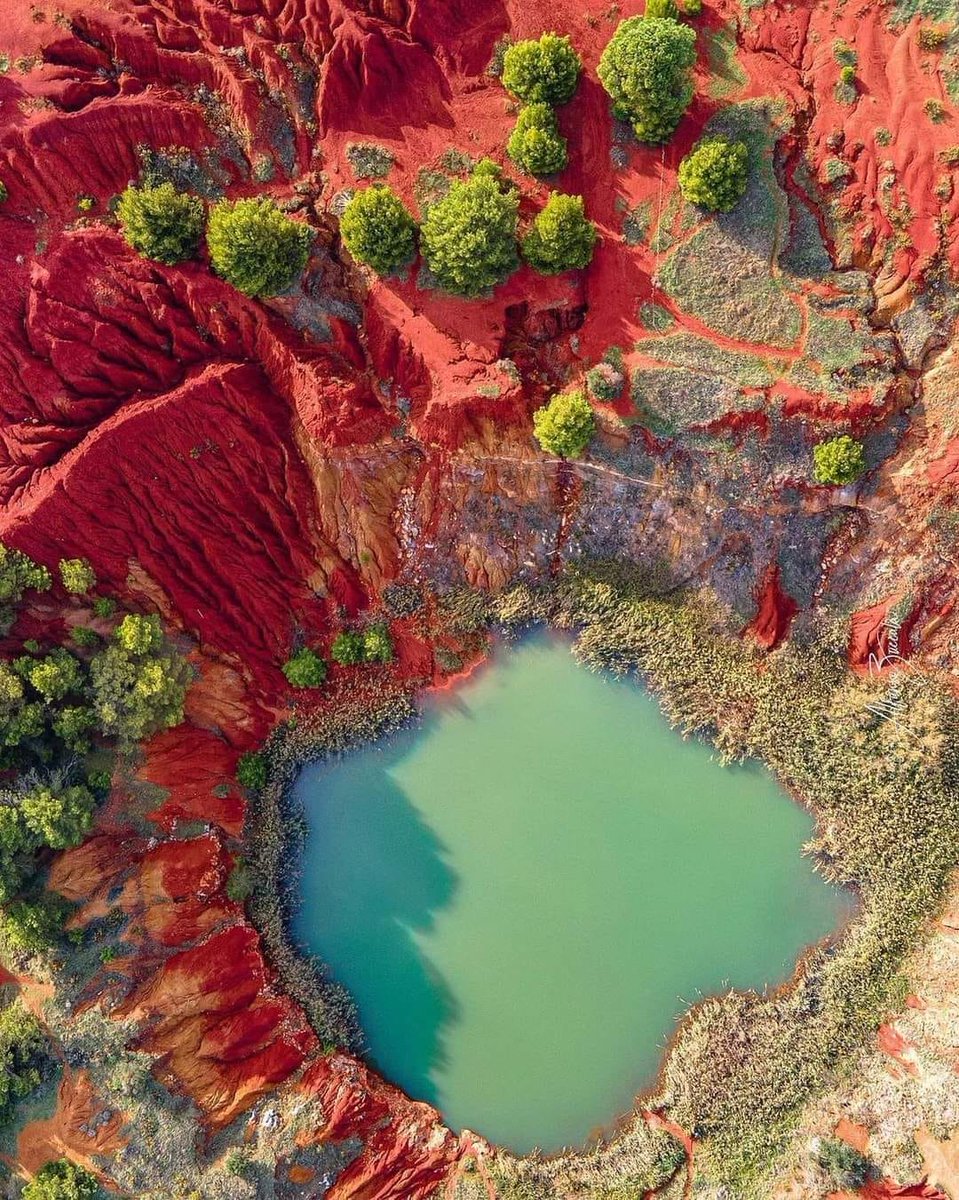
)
(702, 355)
(731, 289)
(671, 401)
(726, 76)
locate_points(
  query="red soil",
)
(246, 479)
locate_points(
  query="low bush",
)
(545, 70)
(646, 70)
(666, 10)
(565, 425)
(469, 236)
(560, 238)
(256, 247)
(22, 1045)
(378, 230)
(377, 644)
(839, 460)
(347, 648)
(305, 669)
(536, 144)
(842, 1164)
(161, 223)
(605, 382)
(252, 770)
(715, 173)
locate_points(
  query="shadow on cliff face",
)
(374, 877)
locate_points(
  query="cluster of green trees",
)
(62, 1180)
(22, 1056)
(540, 73)
(252, 244)
(57, 706)
(370, 645)
(470, 239)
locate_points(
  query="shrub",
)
(838, 460)
(715, 173)
(935, 110)
(18, 574)
(842, 1163)
(347, 648)
(536, 144)
(58, 819)
(565, 425)
(255, 247)
(83, 635)
(139, 635)
(377, 644)
(378, 230)
(104, 606)
(560, 238)
(4, 193)
(692, 8)
(469, 237)
(665, 10)
(61, 1180)
(544, 70)
(604, 381)
(161, 223)
(305, 669)
(369, 161)
(73, 726)
(645, 68)
(77, 576)
(252, 770)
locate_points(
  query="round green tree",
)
(715, 173)
(77, 576)
(378, 230)
(305, 669)
(257, 248)
(347, 648)
(58, 818)
(469, 237)
(61, 1180)
(560, 238)
(646, 69)
(667, 9)
(839, 460)
(536, 144)
(161, 223)
(546, 69)
(565, 425)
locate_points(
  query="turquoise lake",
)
(524, 892)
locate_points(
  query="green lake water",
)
(525, 891)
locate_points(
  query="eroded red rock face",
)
(257, 470)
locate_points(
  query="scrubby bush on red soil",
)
(545, 70)
(469, 237)
(561, 237)
(645, 68)
(378, 230)
(161, 223)
(256, 247)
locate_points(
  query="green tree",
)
(560, 238)
(31, 927)
(252, 770)
(378, 230)
(15, 841)
(138, 634)
(305, 669)
(839, 460)
(18, 574)
(55, 675)
(257, 248)
(377, 644)
(536, 144)
(664, 9)
(844, 1166)
(73, 726)
(22, 1045)
(58, 818)
(77, 576)
(138, 682)
(469, 237)
(161, 223)
(347, 648)
(646, 69)
(61, 1180)
(565, 425)
(715, 173)
(545, 69)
